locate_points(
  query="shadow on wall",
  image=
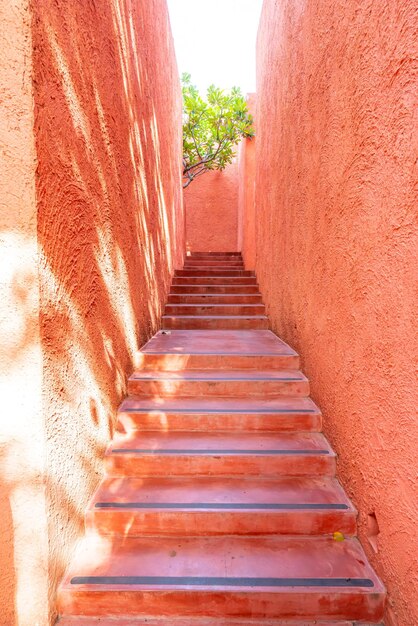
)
(110, 233)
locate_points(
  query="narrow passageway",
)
(220, 505)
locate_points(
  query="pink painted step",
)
(215, 298)
(210, 261)
(214, 309)
(214, 506)
(215, 322)
(185, 621)
(282, 414)
(191, 621)
(214, 280)
(222, 349)
(203, 383)
(215, 254)
(214, 265)
(208, 289)
(219, 453)
(257, 577)
(214, 272)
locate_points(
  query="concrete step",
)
(214, 254)
(195, 454)
(210, 263)
(215, 322)
(283, 414)
(218, 506)
(198, 621)
(215, 298)
(244, 383)
(208, 289)
(115, 620)
(214, 309)
(257, 577)
(214, 280)
(214, 272)
(216, 349)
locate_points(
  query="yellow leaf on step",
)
(338, 536)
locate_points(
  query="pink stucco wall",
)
(92, 227)
(246, 193)
(336, 247)
(211, 207)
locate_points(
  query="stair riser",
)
(208, 264)
(214, 280)
(327, 602)
(214, 299)
(214, 323)
(213, 255)
(233, 465)
(207, 290)
(224, 388)
(137, 523)
(176, 362)
(234, 273)
(220, 309)
(208, 422)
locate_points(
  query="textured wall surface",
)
(246, 193)
(23, 536)
(336, 246)
(93, 228)
(211, 206)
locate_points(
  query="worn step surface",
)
(214, 280)
(225, 349)
(215, 298)
(221, 349)
(215, 322)
(215, 254)
(214, 272)
(242, 382)
(214, 506)
(282, 414)
(206, 289)
(201, 621)
(219, 453)
(260, 577)
(214, 309)
(194, 621)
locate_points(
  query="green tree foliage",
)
(212, 127)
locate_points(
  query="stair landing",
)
(220, 506)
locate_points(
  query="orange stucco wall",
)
(23, 524)
(211, 206)
(94, 228)
(246, 193)
(336, 246)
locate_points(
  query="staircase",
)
(220, 506)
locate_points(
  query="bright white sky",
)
(215, 41)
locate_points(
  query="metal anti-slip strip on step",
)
(221, 505)
(217, 380)
(218, 581)
(220, 411)
(220, 452)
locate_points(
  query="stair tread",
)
(274, 563)
(283, 404)
(190, 621)
(211, 493)
(220, 375)
(187, 305)
(209, 295)
(221, 443)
